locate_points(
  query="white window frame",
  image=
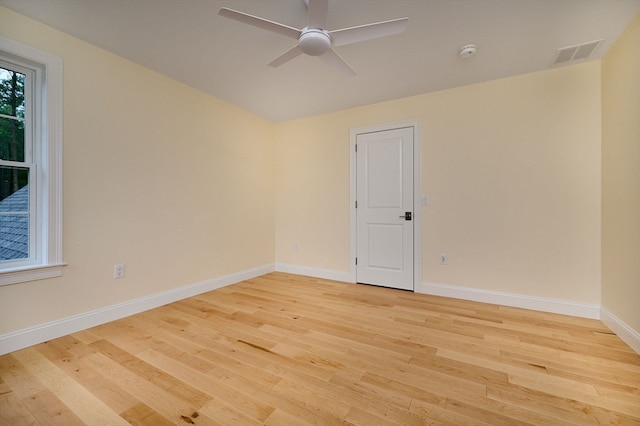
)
(46, 260)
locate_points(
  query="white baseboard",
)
(628, 335)
(314, 272)
(564, 307)
(41, 333)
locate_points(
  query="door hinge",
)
(356, 204)
(356, 260)
(356, 147)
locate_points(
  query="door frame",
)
(417, 208)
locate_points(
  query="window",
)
(17, 170)
(30, 164)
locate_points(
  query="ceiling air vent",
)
(575, 53)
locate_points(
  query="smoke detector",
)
(467, 50)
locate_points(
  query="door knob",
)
(406, 216)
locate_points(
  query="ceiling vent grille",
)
(575, 53)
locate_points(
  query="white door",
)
(384, 213)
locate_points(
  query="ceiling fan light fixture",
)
(314, 42)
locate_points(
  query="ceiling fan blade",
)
(332, 58)
(265, 24)
(368, 31)
(286, 56)
(318, 11)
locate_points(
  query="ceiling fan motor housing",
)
(314, 41)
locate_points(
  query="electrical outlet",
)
(296, 246)
(443, 258)
(118, 271)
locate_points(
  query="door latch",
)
(407, 216)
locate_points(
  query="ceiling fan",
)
(314, 39)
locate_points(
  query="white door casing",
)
(385, 179)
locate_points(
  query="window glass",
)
(12, 115)
(17, 220)
(14, 213)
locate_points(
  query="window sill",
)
(31, 273)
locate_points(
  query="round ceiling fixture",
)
(467, 50)
(314, 42)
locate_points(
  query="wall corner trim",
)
(20, 339)
(628, 335)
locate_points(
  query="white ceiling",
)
(188, 41)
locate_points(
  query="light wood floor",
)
(290, 350)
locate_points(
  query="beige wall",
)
(621, 177)
(512, 170)
(174, 183)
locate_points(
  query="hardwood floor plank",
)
(291, 407)
(210, 385)
(478, 413)
(20, 381)
(86, 336)
(74, 363)
(562, 368)
(359, 416)
(569, 411)
(112, 394)
(13, 411)
(315, 396)
(50, 410)
(83, 404)
(147, 372)
(141, 414)
(377, 400)
(462, 370)
(437, 415)
(404, 390)
(223, 413)
(283, 349)
(574, 391)
(280, 417)
(165, 403)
